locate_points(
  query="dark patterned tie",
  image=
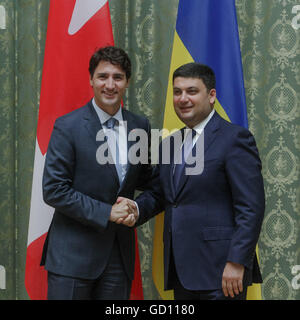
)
(185, 152)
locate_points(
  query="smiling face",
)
(192, 101)
(109, 83)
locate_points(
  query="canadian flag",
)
(76, 28)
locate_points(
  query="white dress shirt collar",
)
(103, 116)
(201, 125)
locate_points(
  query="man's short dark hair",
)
(197, 70)
(114, 55)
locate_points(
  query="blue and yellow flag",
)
(206, 32)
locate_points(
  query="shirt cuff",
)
(137, 208)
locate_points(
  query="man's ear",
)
(213, 96)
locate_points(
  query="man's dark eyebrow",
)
(105, 73)
(101, 73)
(192, 88)
(189, 88)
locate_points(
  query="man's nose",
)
(183, 97)
(110, 83)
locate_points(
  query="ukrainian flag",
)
(206, 32)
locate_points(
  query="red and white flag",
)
(76, 28)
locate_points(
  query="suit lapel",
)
(210, 131)
(130, 125)
(92, 122)
(174, 151)
(171, 178)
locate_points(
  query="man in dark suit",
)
(88, 255)
(212, 218)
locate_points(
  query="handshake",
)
(124, 211)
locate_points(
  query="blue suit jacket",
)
(82, 191)
(213, 217)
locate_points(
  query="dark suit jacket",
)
(82, 191)
(213, 217)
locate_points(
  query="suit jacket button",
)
(175, 205)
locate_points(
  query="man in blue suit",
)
(213, 218)
(87, 254)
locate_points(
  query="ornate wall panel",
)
(7, 152)
(271, 61)
(21, 56)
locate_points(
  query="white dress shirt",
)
(122, 134)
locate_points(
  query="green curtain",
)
(21, 58)
(7, 155)
(270, 53)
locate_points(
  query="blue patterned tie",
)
(111, 124)
(185, 152)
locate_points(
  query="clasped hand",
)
(124, 211)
